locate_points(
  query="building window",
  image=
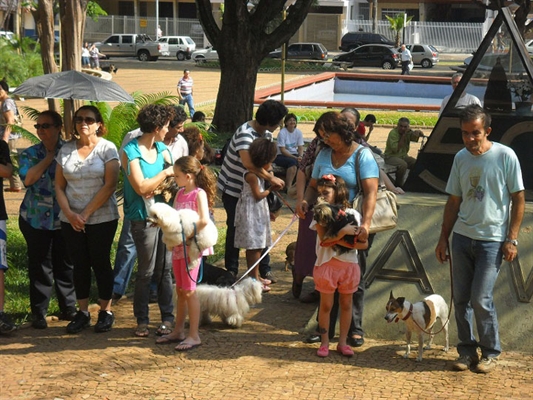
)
(126, 8)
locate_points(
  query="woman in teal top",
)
(146, 163)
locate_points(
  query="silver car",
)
(424, 55)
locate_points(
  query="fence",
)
(113, 24)
(446, 36)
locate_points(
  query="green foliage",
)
(123, 118)
(397, 25)
(17, 281)
(20, 60)
(94, 10)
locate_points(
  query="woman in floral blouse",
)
(48, 266)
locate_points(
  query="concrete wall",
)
(421, 216)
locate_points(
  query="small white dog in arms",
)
(174, 223)
(230, 304)
(419, 317)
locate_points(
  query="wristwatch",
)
(512, 241)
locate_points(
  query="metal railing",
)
(446, 36)
(113, 24)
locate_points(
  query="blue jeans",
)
(476, 265)
(124, 260)
(187, 99)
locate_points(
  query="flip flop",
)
(164, 329)
(167, 340)
(142, 331)
(188, 346)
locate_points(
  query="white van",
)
(180, 46)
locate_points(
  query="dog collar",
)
(408, 313)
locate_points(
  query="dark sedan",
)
(369, 55)
(303, 51)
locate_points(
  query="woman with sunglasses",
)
(86, 179)
(48, 264)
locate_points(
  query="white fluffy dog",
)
(173, 222)
(230, 304)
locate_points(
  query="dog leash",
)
(451, 298)
(183, 240)
(294, 219)
(284, 201)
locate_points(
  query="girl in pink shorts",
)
(333, 270)
(198, 189)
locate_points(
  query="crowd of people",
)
(69, 216)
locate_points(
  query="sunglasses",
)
(44, 126)
(87, 120)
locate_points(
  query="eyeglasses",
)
(44, 126)
(87, 120)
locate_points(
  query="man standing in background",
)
(185, 91)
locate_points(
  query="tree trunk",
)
(72, 15)
(242, 42)
(239, 63)
(44, 17)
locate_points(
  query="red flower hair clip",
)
(329, 177)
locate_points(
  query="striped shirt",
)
(185, 86)
(230, 179)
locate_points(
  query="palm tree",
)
(397, 25)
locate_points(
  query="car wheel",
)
(387, 65)
(199, 60)
(180, 56)
(426, 63)
(143, 55)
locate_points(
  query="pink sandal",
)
(323, 351)
(345, 350)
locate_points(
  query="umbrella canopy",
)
(73, 85)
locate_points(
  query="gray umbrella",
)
(73, 85)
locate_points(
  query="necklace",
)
(338, 159)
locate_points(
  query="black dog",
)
(334, 218)
(217, 276)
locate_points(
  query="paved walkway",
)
(265, 359)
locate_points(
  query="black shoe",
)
(116, 297)
(6, 325)
(314, 338)
(68, 315)
(106, 319)
(79, 323)
(355, 342)
(39, 322)
(313, 297)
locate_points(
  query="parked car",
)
(205, 55)
(303, 51)
(369, 55)
(353, 40)
(529, 46)
(132, 45)
(180, 46)
(7, 35)
(424, 55)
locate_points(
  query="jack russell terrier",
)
(419, 317)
